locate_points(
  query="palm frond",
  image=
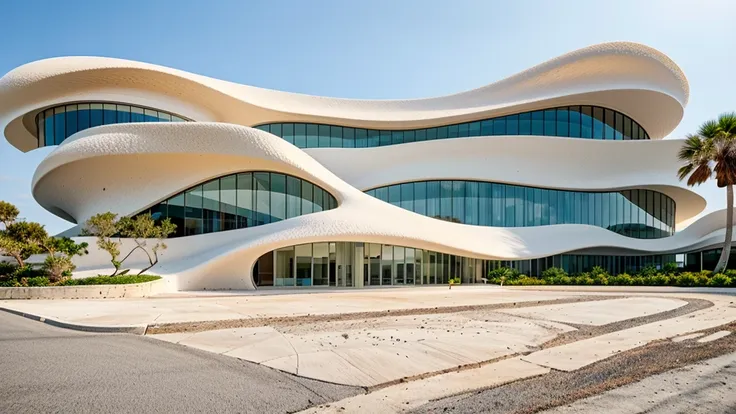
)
(697, 153)
(727, 123)
(701, 173)
(694, 148)
(724, 157)
(684, 171)
(709, 129)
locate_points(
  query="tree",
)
(143, 227)
(712, 152)
(61, 251)
(21, 239)
(104, 226)
(8, 213)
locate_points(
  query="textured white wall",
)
(559, 163)
(632, 78)
(137, 164)
(125, 168)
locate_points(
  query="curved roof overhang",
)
(631, 78)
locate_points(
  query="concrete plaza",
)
(408, 346)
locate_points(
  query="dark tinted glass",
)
(63, 121)
(243, 200)
(500, 205)
(573, 121)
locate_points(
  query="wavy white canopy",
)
(631, 78)
(138, 165)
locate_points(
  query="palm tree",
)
(712, 151)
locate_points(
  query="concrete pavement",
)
(417, 343)
(209, 306)
(48, 369)
(599, 312)
(374, 351)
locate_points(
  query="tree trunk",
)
(18, 259)
(151, 262)
(726, 252)
(146, 269)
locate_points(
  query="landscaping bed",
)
(98, 287)
(29, 276)
(648, 276)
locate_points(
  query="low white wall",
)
(136, 290)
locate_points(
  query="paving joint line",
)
(252, 322)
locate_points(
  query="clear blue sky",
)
(365, 49)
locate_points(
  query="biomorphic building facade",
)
(560, 165)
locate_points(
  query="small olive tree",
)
(19, 239)
(61, 250)
(8, 213)
(142, 228)
(104, 227)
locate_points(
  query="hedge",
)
(598, 276)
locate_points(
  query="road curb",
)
(129, 329)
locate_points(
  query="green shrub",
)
(28, 271)
(720, 280)
(660, 280)
(583, 279)
(670, 268)
(504, 271)
(503, 274)
(556, 276)
(647, 271)
(7, 268)
(553, 272)
(598, 271)
(600, 279)
(638, 280)
(702, 279)
(623, 279)
(686, 279)
(35, 281)
(109, 280)
(560, 280)
(8, 282)
(528, 281)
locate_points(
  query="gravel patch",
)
(589, 331)
(706, 387)
(560, 388)
(310, 319)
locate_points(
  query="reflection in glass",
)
(566, 121)
(239, 201)
(630, 212)
(56, 124)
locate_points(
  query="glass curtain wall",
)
(56, 124)
(588, 122)
(643, 214)
(241, 200)
(707, 259)
(334, 264)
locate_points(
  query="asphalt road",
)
(47, 369)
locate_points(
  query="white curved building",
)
(560, 165)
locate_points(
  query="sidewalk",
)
(196, 307)
(192, 307)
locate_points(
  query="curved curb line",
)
(130, 329)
